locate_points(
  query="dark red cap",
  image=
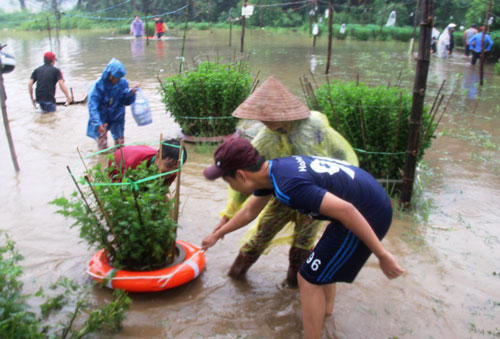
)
(49, 56)
(232, 154)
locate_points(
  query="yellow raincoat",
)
(311, 136)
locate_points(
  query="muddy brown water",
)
(450, 249)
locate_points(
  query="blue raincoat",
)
(107, 101)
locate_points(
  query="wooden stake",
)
(432, 120)
(362, 118)
(83, 161)
(3, 99)
(160, 155)
(101, 207)
(330, 36)
(178, 182)
(394, 144)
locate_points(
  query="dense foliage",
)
(282, 13)
(136, 230)
(18, 320)
(375, 121)
(202, 100)
(364, 19)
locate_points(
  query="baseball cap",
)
(232, 154)
(49, 56)
(452, 25)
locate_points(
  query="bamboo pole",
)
(330, 36)
(243, 20)
(419, 88)
(3, 99)
(481, 60)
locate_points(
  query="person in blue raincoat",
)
(108, 97)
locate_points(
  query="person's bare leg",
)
(312, 303)
(330, 291)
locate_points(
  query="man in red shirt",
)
(135, 155)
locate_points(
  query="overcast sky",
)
(32, 5)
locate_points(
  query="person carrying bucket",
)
(357, 207)
(290, 129)
(108, 97)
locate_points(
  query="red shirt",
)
(159, 26)
(134, 155)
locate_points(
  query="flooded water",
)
(450, 249)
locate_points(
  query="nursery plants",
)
(202, 100)
(126, 212)
(375, 121)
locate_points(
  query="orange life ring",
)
(149, 281)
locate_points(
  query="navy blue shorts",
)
(339, 254)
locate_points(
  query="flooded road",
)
(450, 247)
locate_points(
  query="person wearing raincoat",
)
(108, 97)
(291, 129)
(446, 41)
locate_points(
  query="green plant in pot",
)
(126, 213)
(202, 100)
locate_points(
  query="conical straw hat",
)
(272, 102)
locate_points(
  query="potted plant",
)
(202, 100)
(126, 214)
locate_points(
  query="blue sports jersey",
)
(302, 181)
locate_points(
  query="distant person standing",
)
(160, 27)
(468, 34)
(137, 27)
(46, 78)
(108, 97)
(446, 41)
(475, 45)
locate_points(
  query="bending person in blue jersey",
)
(358, 208)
